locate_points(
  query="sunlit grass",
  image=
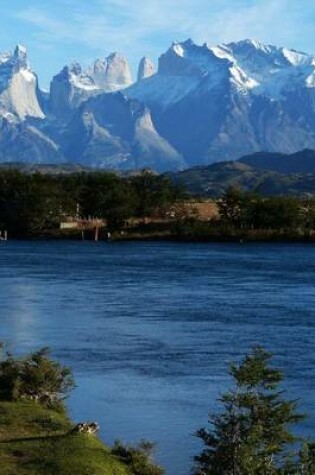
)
(35, 440)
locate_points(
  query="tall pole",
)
(96, 235)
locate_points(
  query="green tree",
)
(232, 208)
(154, 193)
(34, 376)
(252, 434)
(105, 195)
(30, 204)
(278, 213)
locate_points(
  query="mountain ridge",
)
(203, 104)
(266, 173)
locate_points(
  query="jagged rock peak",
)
(20, 57)
(285, 55)
(251, 43)
(111, 73)
(189, 59)
(117, 70)
(74, 75)
(146, 68)
(14, 61)
(73, 85)
(75, 68)
(20, 52)
(18, 87)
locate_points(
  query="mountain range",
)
(201, 105)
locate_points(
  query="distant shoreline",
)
(250, 236)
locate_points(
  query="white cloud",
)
(125, 22)
(280, 22)
(140, 26)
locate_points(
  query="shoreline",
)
(254, 236)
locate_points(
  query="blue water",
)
(149, 328)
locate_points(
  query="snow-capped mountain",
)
(18, 86)
(215, 103)
(20, 139)
(274, 70)
(203, 104)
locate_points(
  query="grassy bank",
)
(35, 440)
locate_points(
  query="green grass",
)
(35, 441)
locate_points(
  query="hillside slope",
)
(266, 173)
(36, 441)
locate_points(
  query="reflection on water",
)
(150, 327)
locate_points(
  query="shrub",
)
(137, 458)
(34, 376)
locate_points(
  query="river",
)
(150, 328)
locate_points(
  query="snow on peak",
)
(111, 73)
(105, 75)
(250, 67)
(74, 75)
(250, 44)
(75, 68)
(297, 58)
(74, 85)
(178, 49)
(5, 57)
(212, 65)
(189, 59)
(220, 52)
(274, 70)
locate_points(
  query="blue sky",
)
(57, 32)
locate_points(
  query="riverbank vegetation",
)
(252, 435)
(32, 204)
(244, 216)
(38, 438)
(144, 206)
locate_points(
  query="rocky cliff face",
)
(117, 73)
(111, 131)
(20, 139)
(68, 90)
(25, 143)
(72, 86)
(18, 86)
(146, 69)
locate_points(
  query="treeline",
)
(33, 203)
(243, 210)
(247, 215)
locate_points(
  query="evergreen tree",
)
(252, 435)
